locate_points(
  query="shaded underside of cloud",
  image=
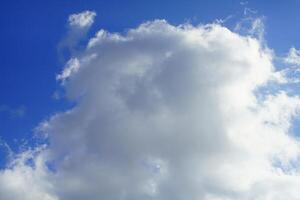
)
(165, 112)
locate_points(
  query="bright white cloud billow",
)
(167, 112)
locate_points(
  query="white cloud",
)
(289, 74)
(78, 27)
(82, 20)
(26, 177)
(71, 67)
(293, 57)
(167, 112)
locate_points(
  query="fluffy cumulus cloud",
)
(166, 112)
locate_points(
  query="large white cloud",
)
(166, 112)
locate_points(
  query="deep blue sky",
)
(32, 29)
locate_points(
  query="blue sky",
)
(32, 54)
(31, 31)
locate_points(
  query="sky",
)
(162, 100)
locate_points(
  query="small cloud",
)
(82, 20)
(72, 66)
(293, 57)
(78, 25)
